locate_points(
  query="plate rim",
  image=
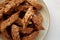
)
(49, 19)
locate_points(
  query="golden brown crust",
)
(9, 21)
(5, 35)
(38, 21)
(23, 7)
(1, 10)
(35, 4)
(7, 0)
(0, 24)
(26, 30)
(1, 13)
(12, 4)
(15, 32)
(20, 20)
(31, 36)
(28, 14)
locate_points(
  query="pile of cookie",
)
(20, 19)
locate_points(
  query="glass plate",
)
(46, 20)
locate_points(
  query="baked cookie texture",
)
(20, 19)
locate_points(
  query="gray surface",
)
(54, 9)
